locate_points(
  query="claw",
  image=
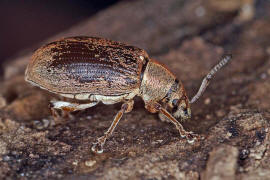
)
(97, 148)
(191, 137)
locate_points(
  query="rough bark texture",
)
(189, 37)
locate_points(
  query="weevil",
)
(97, 70)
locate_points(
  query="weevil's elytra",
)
(73, 65)
(101, 70)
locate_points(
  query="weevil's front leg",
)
(98, 146)
(190, 136)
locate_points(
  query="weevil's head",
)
(178, 102)
(160, 85)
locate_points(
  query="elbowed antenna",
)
(225, 59)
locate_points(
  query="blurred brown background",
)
(26, 23)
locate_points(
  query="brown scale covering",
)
(87, 64)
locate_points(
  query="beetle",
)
(97, 70)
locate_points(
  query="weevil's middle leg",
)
(98, 146)
(190, 136)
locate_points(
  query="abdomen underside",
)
(106, 99)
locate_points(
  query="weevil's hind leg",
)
(66, 108)
(190, 136)
(63, 105)
(125, 108)
(65, 113)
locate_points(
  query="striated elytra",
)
(100, 70)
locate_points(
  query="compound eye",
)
(185, 111)
(175, 102)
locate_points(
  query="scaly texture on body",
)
(87, 65)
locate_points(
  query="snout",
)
(183, 113)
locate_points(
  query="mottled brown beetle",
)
(101, 70)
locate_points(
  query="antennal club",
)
(225, 59)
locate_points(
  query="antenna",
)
(224, 60)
